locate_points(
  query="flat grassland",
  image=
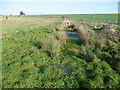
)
(36, 53)
(107, 18)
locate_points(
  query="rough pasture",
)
(37, 54)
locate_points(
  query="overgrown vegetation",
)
(38, 55)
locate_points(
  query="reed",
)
(85, 35)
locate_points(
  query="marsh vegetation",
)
(42, 52)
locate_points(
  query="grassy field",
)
(108, 18)
(37, 54)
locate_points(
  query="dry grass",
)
(51, 44)
(85, 35)
(55, 47)
(31, 19)
(75, 50)
(61, 36)
(54, 42)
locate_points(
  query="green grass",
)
(35, 55)
(108, 18)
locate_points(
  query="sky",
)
(60, 0)
(37, 7)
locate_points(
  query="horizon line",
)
(61, 14)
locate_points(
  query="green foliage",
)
(87, 54)
(118, 29)
(111, 81)
(35, 55)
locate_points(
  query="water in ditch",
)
(72, 35)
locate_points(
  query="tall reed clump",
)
(86, 35)
(61, 36)
(89, 37)
(52, 45)
(53, 42)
